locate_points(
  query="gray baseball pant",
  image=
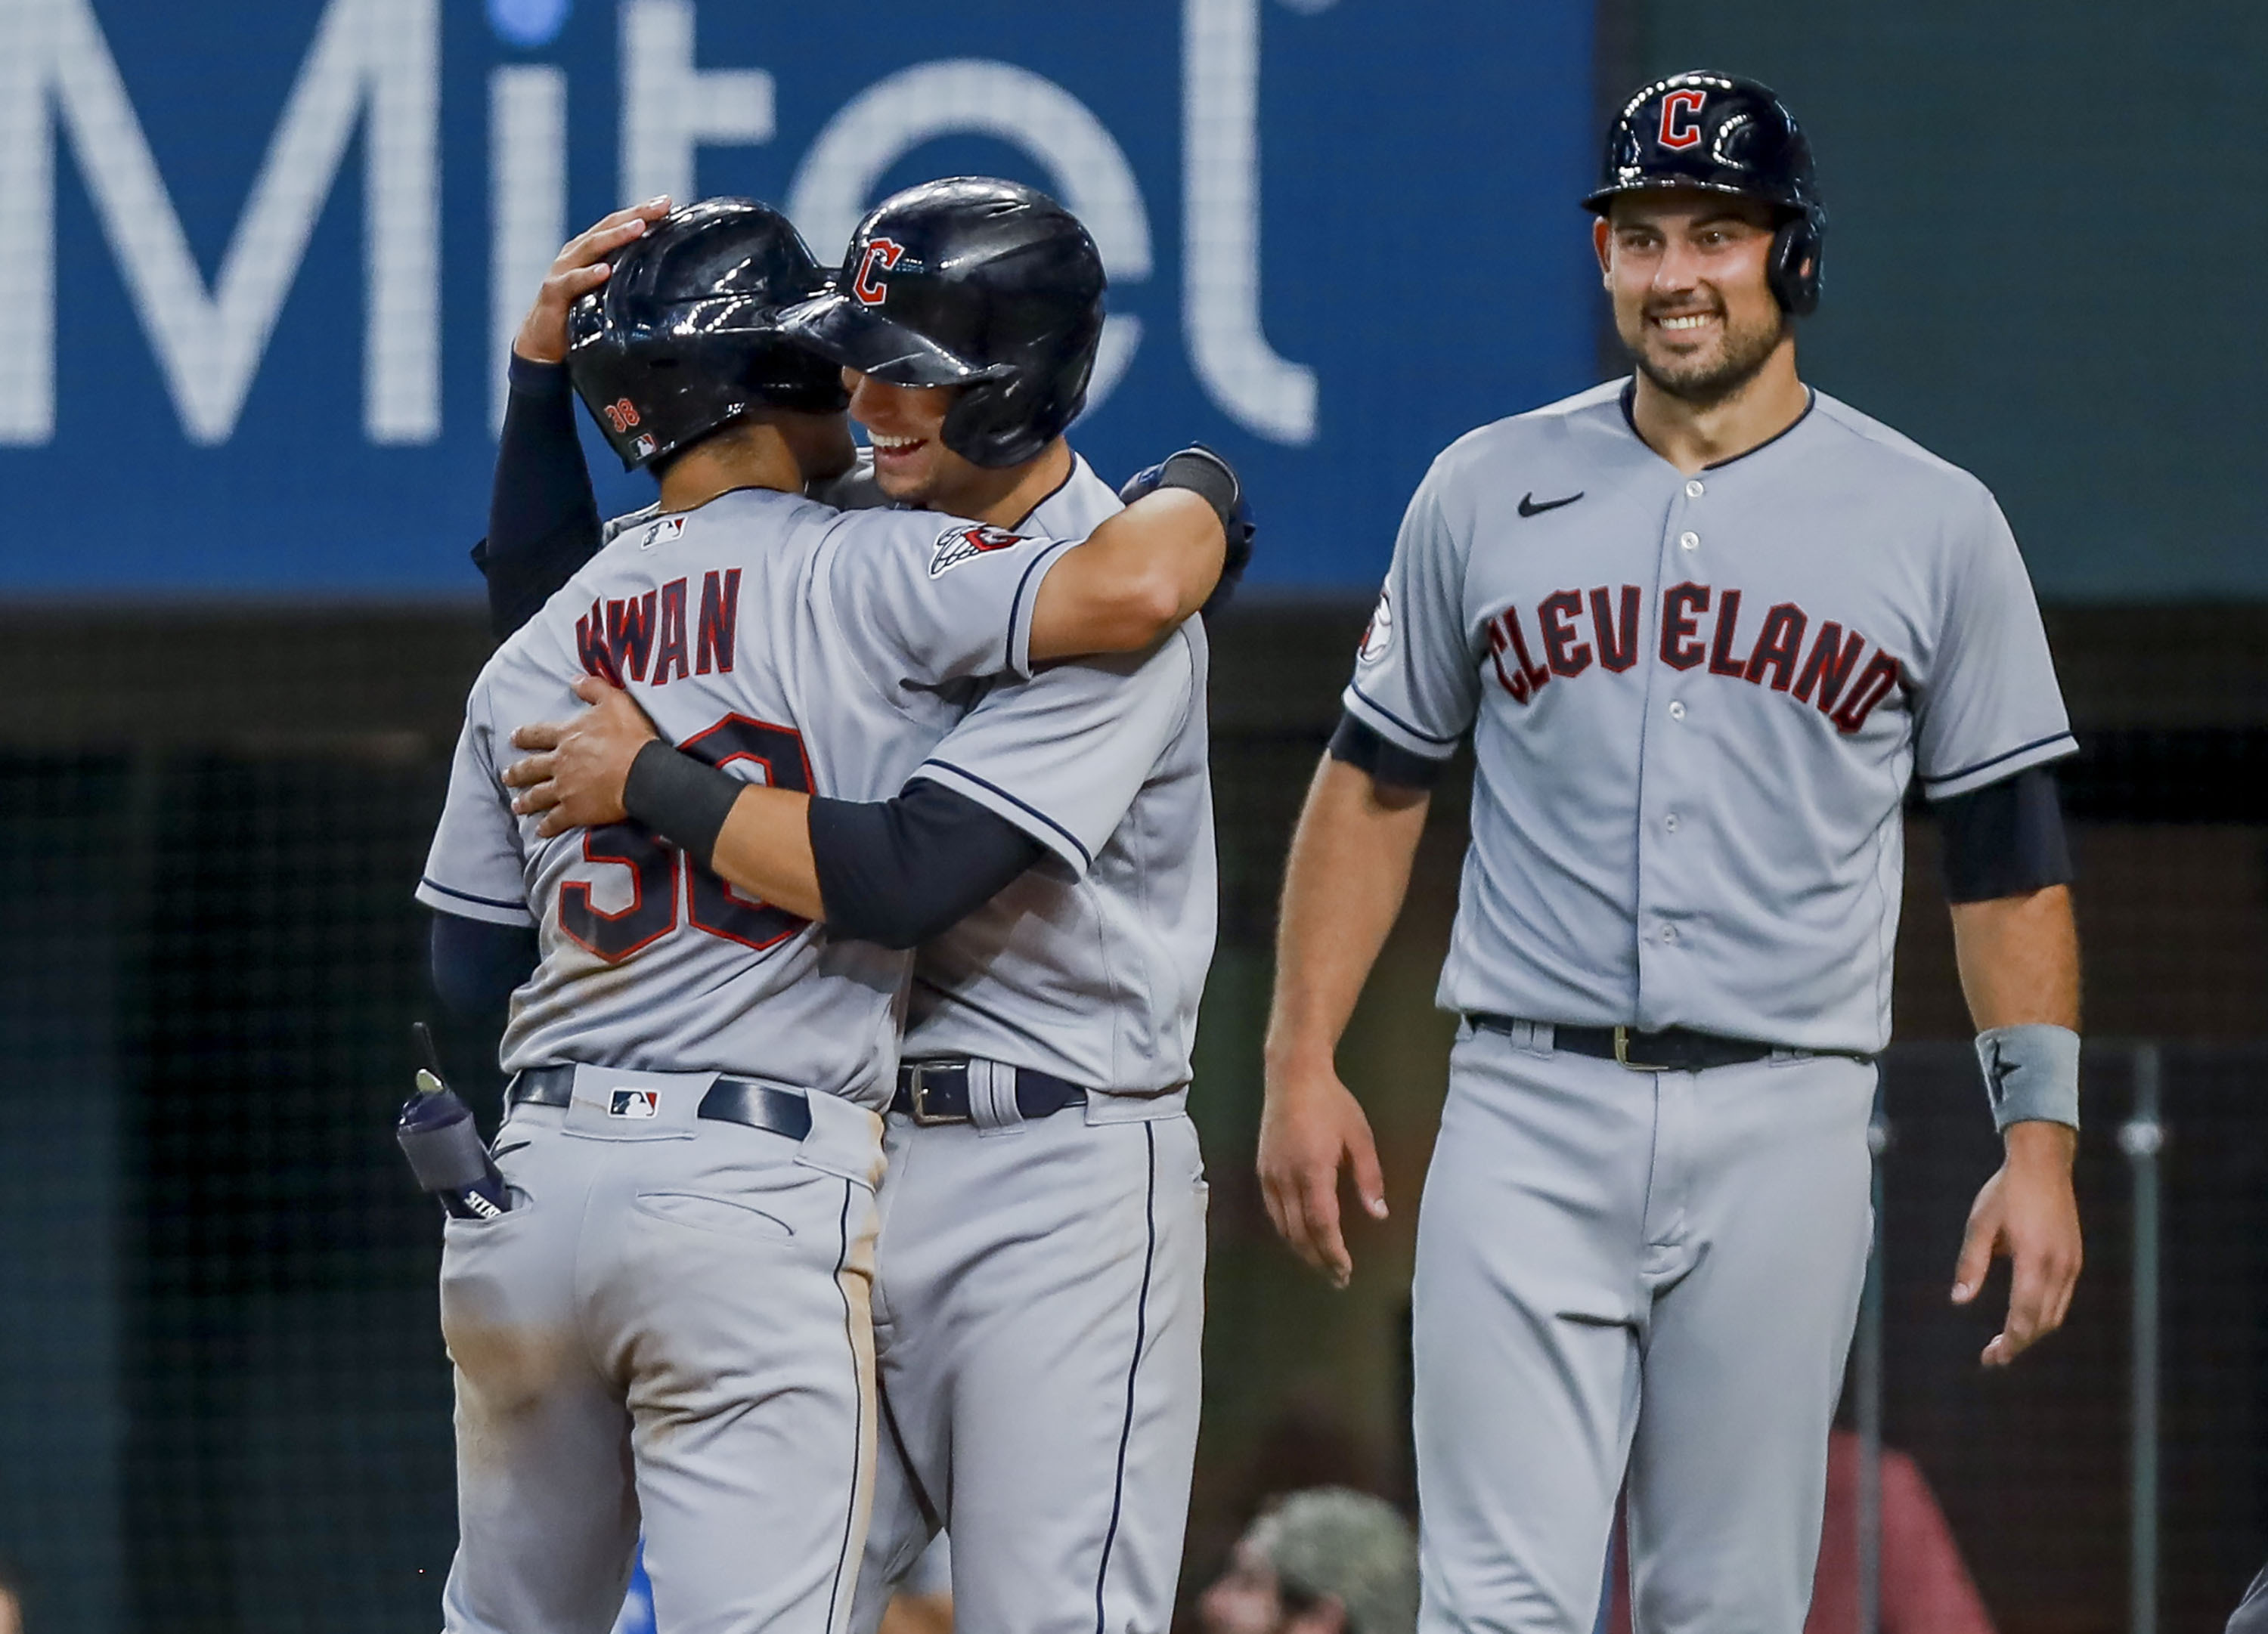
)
(671, 1327)
(1641, 1276)
(1039, 1314)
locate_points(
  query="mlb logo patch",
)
(644, 447)
(958, 545)
(634, 1103)
(662, 532)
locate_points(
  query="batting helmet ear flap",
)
(1793, 270)
(1007, 420)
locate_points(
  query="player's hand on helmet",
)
(2027, 1212)
(576, 776)
(582, 266)
(1199, 468)
(1311, 1127)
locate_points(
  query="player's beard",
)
(1710, 379)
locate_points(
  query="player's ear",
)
(1602, 242)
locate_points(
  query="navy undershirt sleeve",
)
(477, 965)
(899, 871)
(544, 520)
(1357, 744)
(2006, 839)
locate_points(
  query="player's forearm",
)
(1136, 577)
(543, 521)
(2019, 959)
(1343, 889)
(764, 850)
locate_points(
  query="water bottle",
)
(443, 1146)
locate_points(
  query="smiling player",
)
(1705, 626)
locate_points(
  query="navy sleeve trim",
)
(1415, 732)
(432, 884)
(1356, 743)
(1085, 855)
(2021, 748)
(2006, 839)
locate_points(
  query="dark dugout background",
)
(226, 1405)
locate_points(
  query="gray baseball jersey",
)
(1041, 1353)
(813, 649)
(1091, 964)
(1695, 706)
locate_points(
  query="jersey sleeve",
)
(1416, 676)
(930, 598)
(1990, 706)
(475, 869)
(1062, 755)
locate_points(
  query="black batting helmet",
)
(684, 337)
(975, 283)
(1722, 134)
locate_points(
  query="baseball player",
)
(1040, 1306)
(1703, 625)
(671, 1324)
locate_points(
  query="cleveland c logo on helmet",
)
(1681, 118)
(880, 256)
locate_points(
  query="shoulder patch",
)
(1377, 635)
(662, 532)
(966, 543)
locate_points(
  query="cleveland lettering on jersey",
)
(1838, 612)
(1831, 676)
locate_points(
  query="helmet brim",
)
(1599, 202)
(857, 336)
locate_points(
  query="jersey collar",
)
(1629, 395)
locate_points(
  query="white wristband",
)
(2032, 1074)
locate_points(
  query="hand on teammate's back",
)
(2029, 1212)
(1312, 1126)
(581, 266)
(578, 773)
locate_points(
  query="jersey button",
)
(1669, 933)
(1693, 489)
(1689, 540)
(1670, 822)
(1677, 711)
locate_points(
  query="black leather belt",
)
(729, 1100)
(937, 1092)
(1673, 1049)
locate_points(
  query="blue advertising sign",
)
(264, 258)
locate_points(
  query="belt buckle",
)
(917, 1094)
(1622, 1055)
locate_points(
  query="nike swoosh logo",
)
(1528, 507)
